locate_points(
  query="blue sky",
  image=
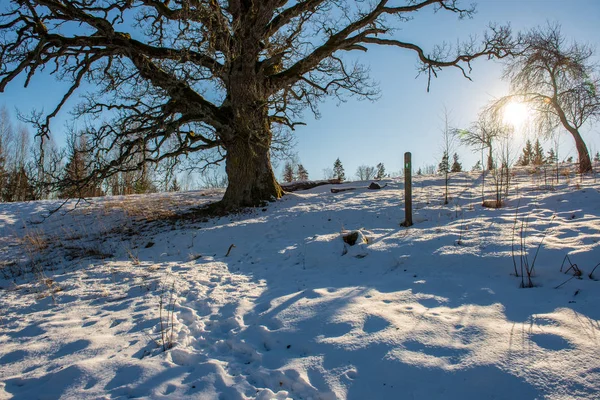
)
(406, 117)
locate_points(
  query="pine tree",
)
(76, 170)
(18, 186)
(174, 186)
(338, 170)
(380, 171)
(419, 172)
(288, 172)
(144, 185)
(443, 166)
(527, 157)
(302, 173)
(143, 181)
(538, 154)
(476, 167)
(456, 166)
(551, 157)
(597, 157)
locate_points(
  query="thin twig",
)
(512, 245)
(590, 275)
(172, 301)
(564, 282)
(541, 241)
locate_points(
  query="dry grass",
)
(492, 204)
(149, 209)
(48, 288)
(134, 258)
(10, 269)
(81, 251)
(35, 241)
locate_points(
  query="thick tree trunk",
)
(585, 163)
(248, 144)
(251, 178)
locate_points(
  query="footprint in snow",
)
(429, 303)
(336, 330)
(352, 374)
(170, 389)
(13, 357)
(551, 342)
(468, 334)
(451, 354)
(375, 324)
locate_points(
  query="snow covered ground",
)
(433, 311)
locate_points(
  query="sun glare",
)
(516, 114)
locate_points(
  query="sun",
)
(516, 114)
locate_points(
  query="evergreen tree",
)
(18, 186)
(419, 172)
(456, 166)
(551, 157)
(288, 172)
(443, 166)
(144, 185)
(144, 182)
(597, 157)
(18, 181)
(527, 157)
(338, 170)
(538, 154)
(174, 186)
(380, 171)
(302, 173)
(476, 167)
(77, 169)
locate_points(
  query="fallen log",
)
(305, 185)
(342, 189)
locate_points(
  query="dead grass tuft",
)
(493, 204)
(35, 241)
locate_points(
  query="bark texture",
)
(251, 178)
(585, 162)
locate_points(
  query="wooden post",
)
(407, 190)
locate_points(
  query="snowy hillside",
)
(433, 311)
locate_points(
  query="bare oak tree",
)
(560, 81)
(482, 135)
(365, 172)
(214, 76)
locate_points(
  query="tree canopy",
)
(560, 81)
(210, 79)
